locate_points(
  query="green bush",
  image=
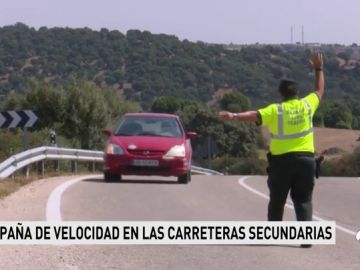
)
(249, 166)
(240, 166)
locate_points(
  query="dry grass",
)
(345, 139)
(327, 138)
(10, 185)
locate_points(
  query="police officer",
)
(291, 157)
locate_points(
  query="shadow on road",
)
(134, 181)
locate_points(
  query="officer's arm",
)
(319, 82)
(317, 63)
(243, 116)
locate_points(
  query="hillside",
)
(144, 64)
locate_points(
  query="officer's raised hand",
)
(316, 61)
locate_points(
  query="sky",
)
(212, 21)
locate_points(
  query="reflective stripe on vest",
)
(281, 135)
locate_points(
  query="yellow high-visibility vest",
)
(290, 124)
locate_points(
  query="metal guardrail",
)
(21, 160)
(200, 170)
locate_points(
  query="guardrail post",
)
(57, 166)
(26, 171)
(74, 166)
(93, 166)
(41, 168)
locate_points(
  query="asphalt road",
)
(205, 198)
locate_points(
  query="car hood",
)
(146, 142)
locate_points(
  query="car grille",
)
(146, 153)
(135, 169)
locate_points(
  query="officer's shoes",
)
(306, 246)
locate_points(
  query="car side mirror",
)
(192, 135)
(107, 132)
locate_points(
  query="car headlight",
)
(175, 151)
(114, 149)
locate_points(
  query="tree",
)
(235, 102)
(234, 139)
(165, 105)
(86, 114)
(337, 115)
(79, 112)
(117, 105)
(47, 100)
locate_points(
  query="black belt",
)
(291, 155)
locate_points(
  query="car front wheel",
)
(185, 178)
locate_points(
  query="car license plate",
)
(146, 162)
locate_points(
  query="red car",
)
(148, 144)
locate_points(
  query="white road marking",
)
(288, 205)
(53, 206)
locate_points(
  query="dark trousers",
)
(292, 172)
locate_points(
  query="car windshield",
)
(149, 126)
